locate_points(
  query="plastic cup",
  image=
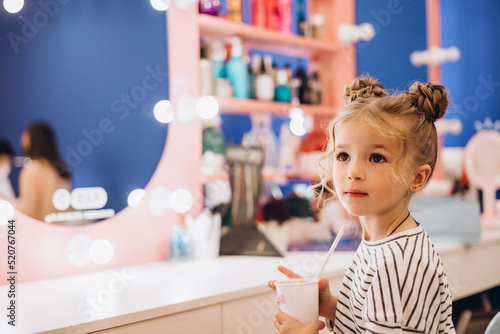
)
(298, 298)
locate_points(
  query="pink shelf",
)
(240, 106)
(277, 176)
(257, 37)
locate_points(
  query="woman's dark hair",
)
(43, 145)
(6, 148)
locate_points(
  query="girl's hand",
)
(327, 302)
(288, 325)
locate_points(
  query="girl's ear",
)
(420, 177)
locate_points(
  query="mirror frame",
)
(137, 235)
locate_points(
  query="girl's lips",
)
(355, 193)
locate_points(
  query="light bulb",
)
(181, 200)
(160, 5)
(13, 6)
(158, 200)
(77, 249)
(185, 108)
(297, 126)
(61, 199)
(207, 107)
(6, 212)
(164, 111)
(135, 197)
(101, 251)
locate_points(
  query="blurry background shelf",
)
(248, 106)
(279, 177)
(257, 37)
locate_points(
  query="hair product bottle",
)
(206, 74)
(315, 85)
(237, 70)
(272, 14)
(282, 92)
(304, 91)
(285, 16)
(253, 71)
(300, 17)
(218, 54)
(264, 83)
(318, 26)
(234, 10)
(258, 13)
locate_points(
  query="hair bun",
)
(430, 99)
(363, 87)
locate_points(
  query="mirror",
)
(482, 157)
(94, 71)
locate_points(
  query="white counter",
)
(224, 295)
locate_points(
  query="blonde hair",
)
(418, 109)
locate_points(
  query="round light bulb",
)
(164, 111)
(181, 200)
(185, 108)
(135, 197)
(295, 112)
(207, 107)
(13, 6)
(77, 249)
(6, 212)
(101, 251)
(61, 199)
(160, 5)
(158, 200)
(297, 126)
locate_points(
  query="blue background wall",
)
(400, 28)
(474, 81)
(74, 65)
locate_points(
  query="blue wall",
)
(85, 66)
(474, 81)
(400, 29)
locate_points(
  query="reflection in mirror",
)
(93, 71)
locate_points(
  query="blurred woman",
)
(44, 174)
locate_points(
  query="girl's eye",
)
(342, 156)
(377, 158)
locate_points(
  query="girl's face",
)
(363, 174)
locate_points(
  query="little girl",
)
(382, 148)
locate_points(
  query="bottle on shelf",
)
(304, 90)
(258, 13)
(315, 85)
(282, 91)
(217, 54)
(300, 16)
(285, 16)
(234, 12)
(223, 88)
(264, 82)
(210, 7)
(237, 70)
(206, 73)
(253, 71)
(272, 14)
(318, 26)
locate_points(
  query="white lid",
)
(217, 50)
(282, 77)
(318, 19)
(237, 47)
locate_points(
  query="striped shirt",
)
(395, 285)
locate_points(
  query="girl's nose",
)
(356, 171)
